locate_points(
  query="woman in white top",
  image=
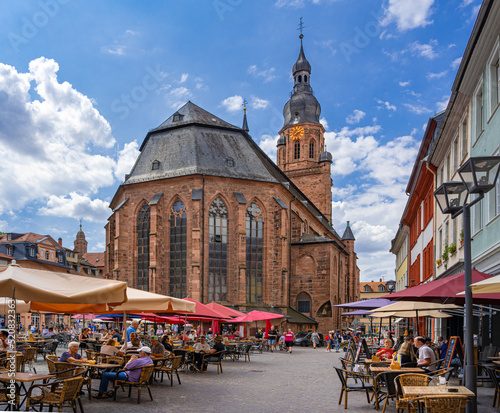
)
(109, 348)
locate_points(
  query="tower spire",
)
(80, 224)
(245, 123)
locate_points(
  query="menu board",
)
(362, 345)
(454, 350)
(350, 354)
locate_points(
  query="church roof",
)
(193, 142)
(198, 143)
(348, 235)
(301, 63)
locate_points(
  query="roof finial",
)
(80, 224)
(301, 27)
(245, 123)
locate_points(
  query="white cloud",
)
(184, 77)
(233, 103)
(465, 3)
(181, 92)
(199, 84)
(324, 122)
(439, 75)
(355, 117)
(57, 131)
(178, 97)
(456, 63)
(116, 49)
(386, 105)
(417, 108)
(266, 74)
(131, 32)
(268, 145)
(258, 103)
(404, 84)
(77, 206)
(4, 226)
(407, 14)
(443, 104)
(423, 50)
(126, 159)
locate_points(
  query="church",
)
(205, 213)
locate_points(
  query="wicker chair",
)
(363, 386)
(67, 370)
(171, 368)
(5, 396)
(50, 363)
(29, 359)
(58, 393)
(144, 379)
(213, 358)
(406, 403)
(445, 404)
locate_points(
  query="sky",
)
(81, 83)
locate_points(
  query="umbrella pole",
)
(380, 330)
(390, 327)
(416, 312)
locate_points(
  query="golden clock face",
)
(296, 133)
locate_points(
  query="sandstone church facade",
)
(205, 213)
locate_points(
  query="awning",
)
(445, 290)
(366, 304)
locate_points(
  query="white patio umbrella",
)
(488, 286)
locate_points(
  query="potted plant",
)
(445, 254)
(439, 261)
(452, 248)
(461, 237)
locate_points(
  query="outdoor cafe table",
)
(24, 378)
(422, 391)
(370, 361)
(381, 369)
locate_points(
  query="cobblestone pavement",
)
(303, 381)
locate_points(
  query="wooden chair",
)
(170, 367)
(5, 396)
(144, 379)
(445, 404)
(57, 393)
(214, 358)
(362, 386)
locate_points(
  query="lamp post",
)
(478, 176)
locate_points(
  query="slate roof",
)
(348, 235)
(27, 237)
(200, 143)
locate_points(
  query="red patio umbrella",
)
(256, 316)
(203, 311)
(227, 311)
(445, 290)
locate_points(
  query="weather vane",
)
(245, 103)
(301, 27)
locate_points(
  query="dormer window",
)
(177, 117)
(230, 162)
(32, 251)
(47, 255)
(10, 251)
(156, 165)
(9, 237)
(381, 288)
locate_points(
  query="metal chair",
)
(363, 385)
(213, 358)
(170, 367)
(496, 382)
(385, 387)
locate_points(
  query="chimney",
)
(59, 241)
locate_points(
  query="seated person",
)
(50, 333)
(134, 348)
(129, 343)
(110, 348)
(165, 341)
(135, 362)
(72, 356)
(157, 349)
(200, 349)
(443, 349)
(386, 352)
(4, 340)
(218, 346)
(426, 355)
(116, 335)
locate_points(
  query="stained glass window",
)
(255, 234)
(143, 222)
(217, 256)
(178, 224)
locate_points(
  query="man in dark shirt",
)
(258, 333)
(218, 346)
(272, 336)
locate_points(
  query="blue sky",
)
(81, 83)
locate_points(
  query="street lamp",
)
(478, 176)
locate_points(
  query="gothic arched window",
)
(217, 255)
(255, 236)
(311, 149)
(143, 248)
(178, 224)
(304, 303)
(297, 150)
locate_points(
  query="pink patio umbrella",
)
(85, 317)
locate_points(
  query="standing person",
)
(315, 339)
(289, 336)
(272, 335)
(337, 339)
(132, 328)
(327, 339)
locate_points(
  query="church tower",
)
(80, 243)
(301, 154)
